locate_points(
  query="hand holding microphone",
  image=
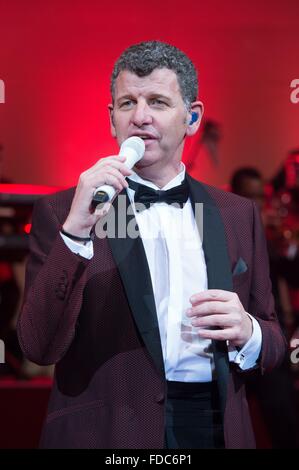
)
(133, 149)
(99, 184)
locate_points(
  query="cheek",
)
(180, 123)
(178, 131)
(120, 129)
(121, 120)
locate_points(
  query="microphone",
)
(133, 149)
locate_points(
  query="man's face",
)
(152, 108)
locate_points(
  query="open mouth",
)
(145, 137)
(148, 138)
(148, 141)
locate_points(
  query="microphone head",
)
(133, 143)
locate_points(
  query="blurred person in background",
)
(12, 278)
(275, 391)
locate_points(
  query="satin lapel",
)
(218, 269)
(130, 259)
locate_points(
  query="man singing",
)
(152, 336)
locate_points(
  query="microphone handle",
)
(103, 194)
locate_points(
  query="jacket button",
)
(59, 294)
(160, 398)
(62, 287)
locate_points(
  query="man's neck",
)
(162, 178)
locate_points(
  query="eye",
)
(158, 102)
(126, 104)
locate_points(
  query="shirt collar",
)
(176, 181)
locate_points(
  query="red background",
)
(56, 58)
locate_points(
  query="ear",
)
(112, 126)
(193, 125)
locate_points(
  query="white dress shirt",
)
(175, 256)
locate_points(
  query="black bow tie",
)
(146, 196)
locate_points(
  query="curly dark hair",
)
(141, 59)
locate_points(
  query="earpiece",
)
(194, 117)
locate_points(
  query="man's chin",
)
(146, 161)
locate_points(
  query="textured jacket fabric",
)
(96, 320)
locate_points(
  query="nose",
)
(141, 114)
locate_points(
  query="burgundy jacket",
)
(96, 320)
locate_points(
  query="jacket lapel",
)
(130, 259)
(218, 268)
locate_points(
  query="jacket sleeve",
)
(55, 280)
(261, 302)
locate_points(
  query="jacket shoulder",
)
(224, 198)
(59, 203)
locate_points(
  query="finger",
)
(211, 321)
(102, 170)
(109, 179)
(111, 158)
(102, 175)
(117, 174)
(209, 308)
(212, 294)
(114, 162)
(227, 334)
(102, 209)
(121, 167)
